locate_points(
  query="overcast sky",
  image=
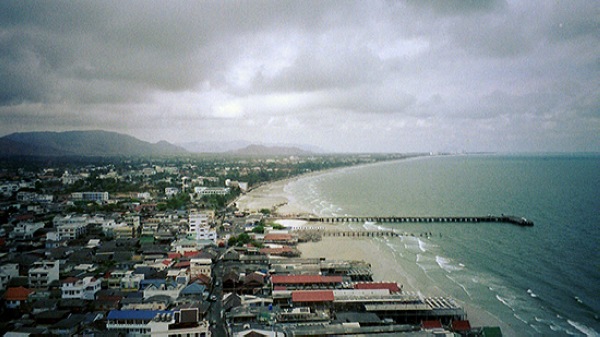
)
(383, 76)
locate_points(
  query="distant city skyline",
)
(343, 76)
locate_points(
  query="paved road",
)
(215, 310)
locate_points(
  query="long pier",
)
(515, 220)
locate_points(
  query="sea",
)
(539, 281)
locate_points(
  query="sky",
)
(343, 76)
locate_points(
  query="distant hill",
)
(243, 146)
(213, 146)
(81, 143)
(261, 150)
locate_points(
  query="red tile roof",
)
(304, 279)
(191, 253)
(17, 294)
(70, 280)
(461, 326)
(391, 286)
(431, 324)
(278, 237)
(182, 264)
(313, 296)
(275, 251)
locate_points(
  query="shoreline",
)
(386, 268)
(384, 264)
(272, 194)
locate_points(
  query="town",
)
(157, 247)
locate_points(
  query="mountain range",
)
(82, 143)
(105, 143)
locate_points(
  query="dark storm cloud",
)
(427, 70)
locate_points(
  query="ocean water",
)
(541, 280)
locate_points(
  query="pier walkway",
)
(519, 221)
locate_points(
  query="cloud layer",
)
(346, 76)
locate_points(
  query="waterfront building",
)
(157, 323)
(206, 191)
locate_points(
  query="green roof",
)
(491, 331)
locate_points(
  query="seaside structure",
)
(138, 269)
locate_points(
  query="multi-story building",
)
(114, 279)
(60, 220)
(89, 196)
(69, 179)
(123, 231)
(42, 273)
(131, 281)
(199, 227)
(71, 231)
(157, 323)
(200, 266)
(84, 289)
(7, 272)
(204, 191)
(9, 188)
(170, 289)
(25, 230)
(34, 197)
(171, 191)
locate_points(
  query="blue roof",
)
(155, 282)
(193, 288)
(145, 315)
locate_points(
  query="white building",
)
(9, 188)
(7, 272)
(243, 186)
(71, 231)
(34, 197)
(68, 179)
(171, 191)
(84, 289)
(89, 196)
(42, 273)
(60, 220)
(204, 191)
(199, 227)
(170, 289)
(200, 266)
(157, 323)
(131, 281)
(25, 230)
(143, 195)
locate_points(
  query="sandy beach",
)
(269, 196)
(384, 264)
(362, 249)
(386, 268)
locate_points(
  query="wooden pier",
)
(519, 221)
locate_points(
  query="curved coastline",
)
(376, 252)
(273, 194)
